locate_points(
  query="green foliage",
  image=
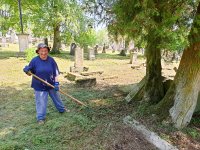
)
(84, 122)
(88, 38)
(147, 20)
(193, 133)
(102, 37)
(30, 53)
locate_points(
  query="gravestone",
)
(12, 36)
(91, 54)
(78, 64)
(3, 41)
(96, 49)
(133, 57)
(46, 41)
(104, 48)
(72, 49)
(23, 42)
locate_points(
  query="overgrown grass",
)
(82, 128)
(73, 130)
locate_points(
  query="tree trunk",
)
(56, 39)
(151, 88)
(154, 90)
(85, 49)
(183, 93)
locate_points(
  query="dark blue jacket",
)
(45, 69)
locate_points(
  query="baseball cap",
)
(42, 45)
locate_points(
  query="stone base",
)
(91, 73)
(86, 82)
(72, 76)
(138, 66)
(91, 58)
(20, 54)
(77, 70)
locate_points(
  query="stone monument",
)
(23, 42)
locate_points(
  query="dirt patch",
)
(184, 142)
(125, 138)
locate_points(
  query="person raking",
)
(46, 68)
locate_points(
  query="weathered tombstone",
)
(23, 42)
(96, 49)
(91, 54)
(12, 36)
(3, 41)
(133, 57)
(46, 41)
(123, 52)
(78, 64)
(104, 48)
(113, 48)
(63, 46)
(72, 49)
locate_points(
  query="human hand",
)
(56, 86)
(27, 69)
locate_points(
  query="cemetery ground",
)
(100, 127)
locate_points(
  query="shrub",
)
(30, 53)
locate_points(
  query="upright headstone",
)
(12, 37)
(133, 57)
(78, 59)
(3, 41)
(91, 54)
(96, 49)
(72, 48)
(46, 41)
(23, 42)
(104, 48)
(30, 39)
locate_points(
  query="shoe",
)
(67, 110)
(40, 122)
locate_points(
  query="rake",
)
(72, 98)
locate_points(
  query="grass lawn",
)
(99, 127)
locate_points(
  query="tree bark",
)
(154, 90)
(184, 92)
(151, 87)
(56, 39)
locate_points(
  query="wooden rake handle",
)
(72, 98)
